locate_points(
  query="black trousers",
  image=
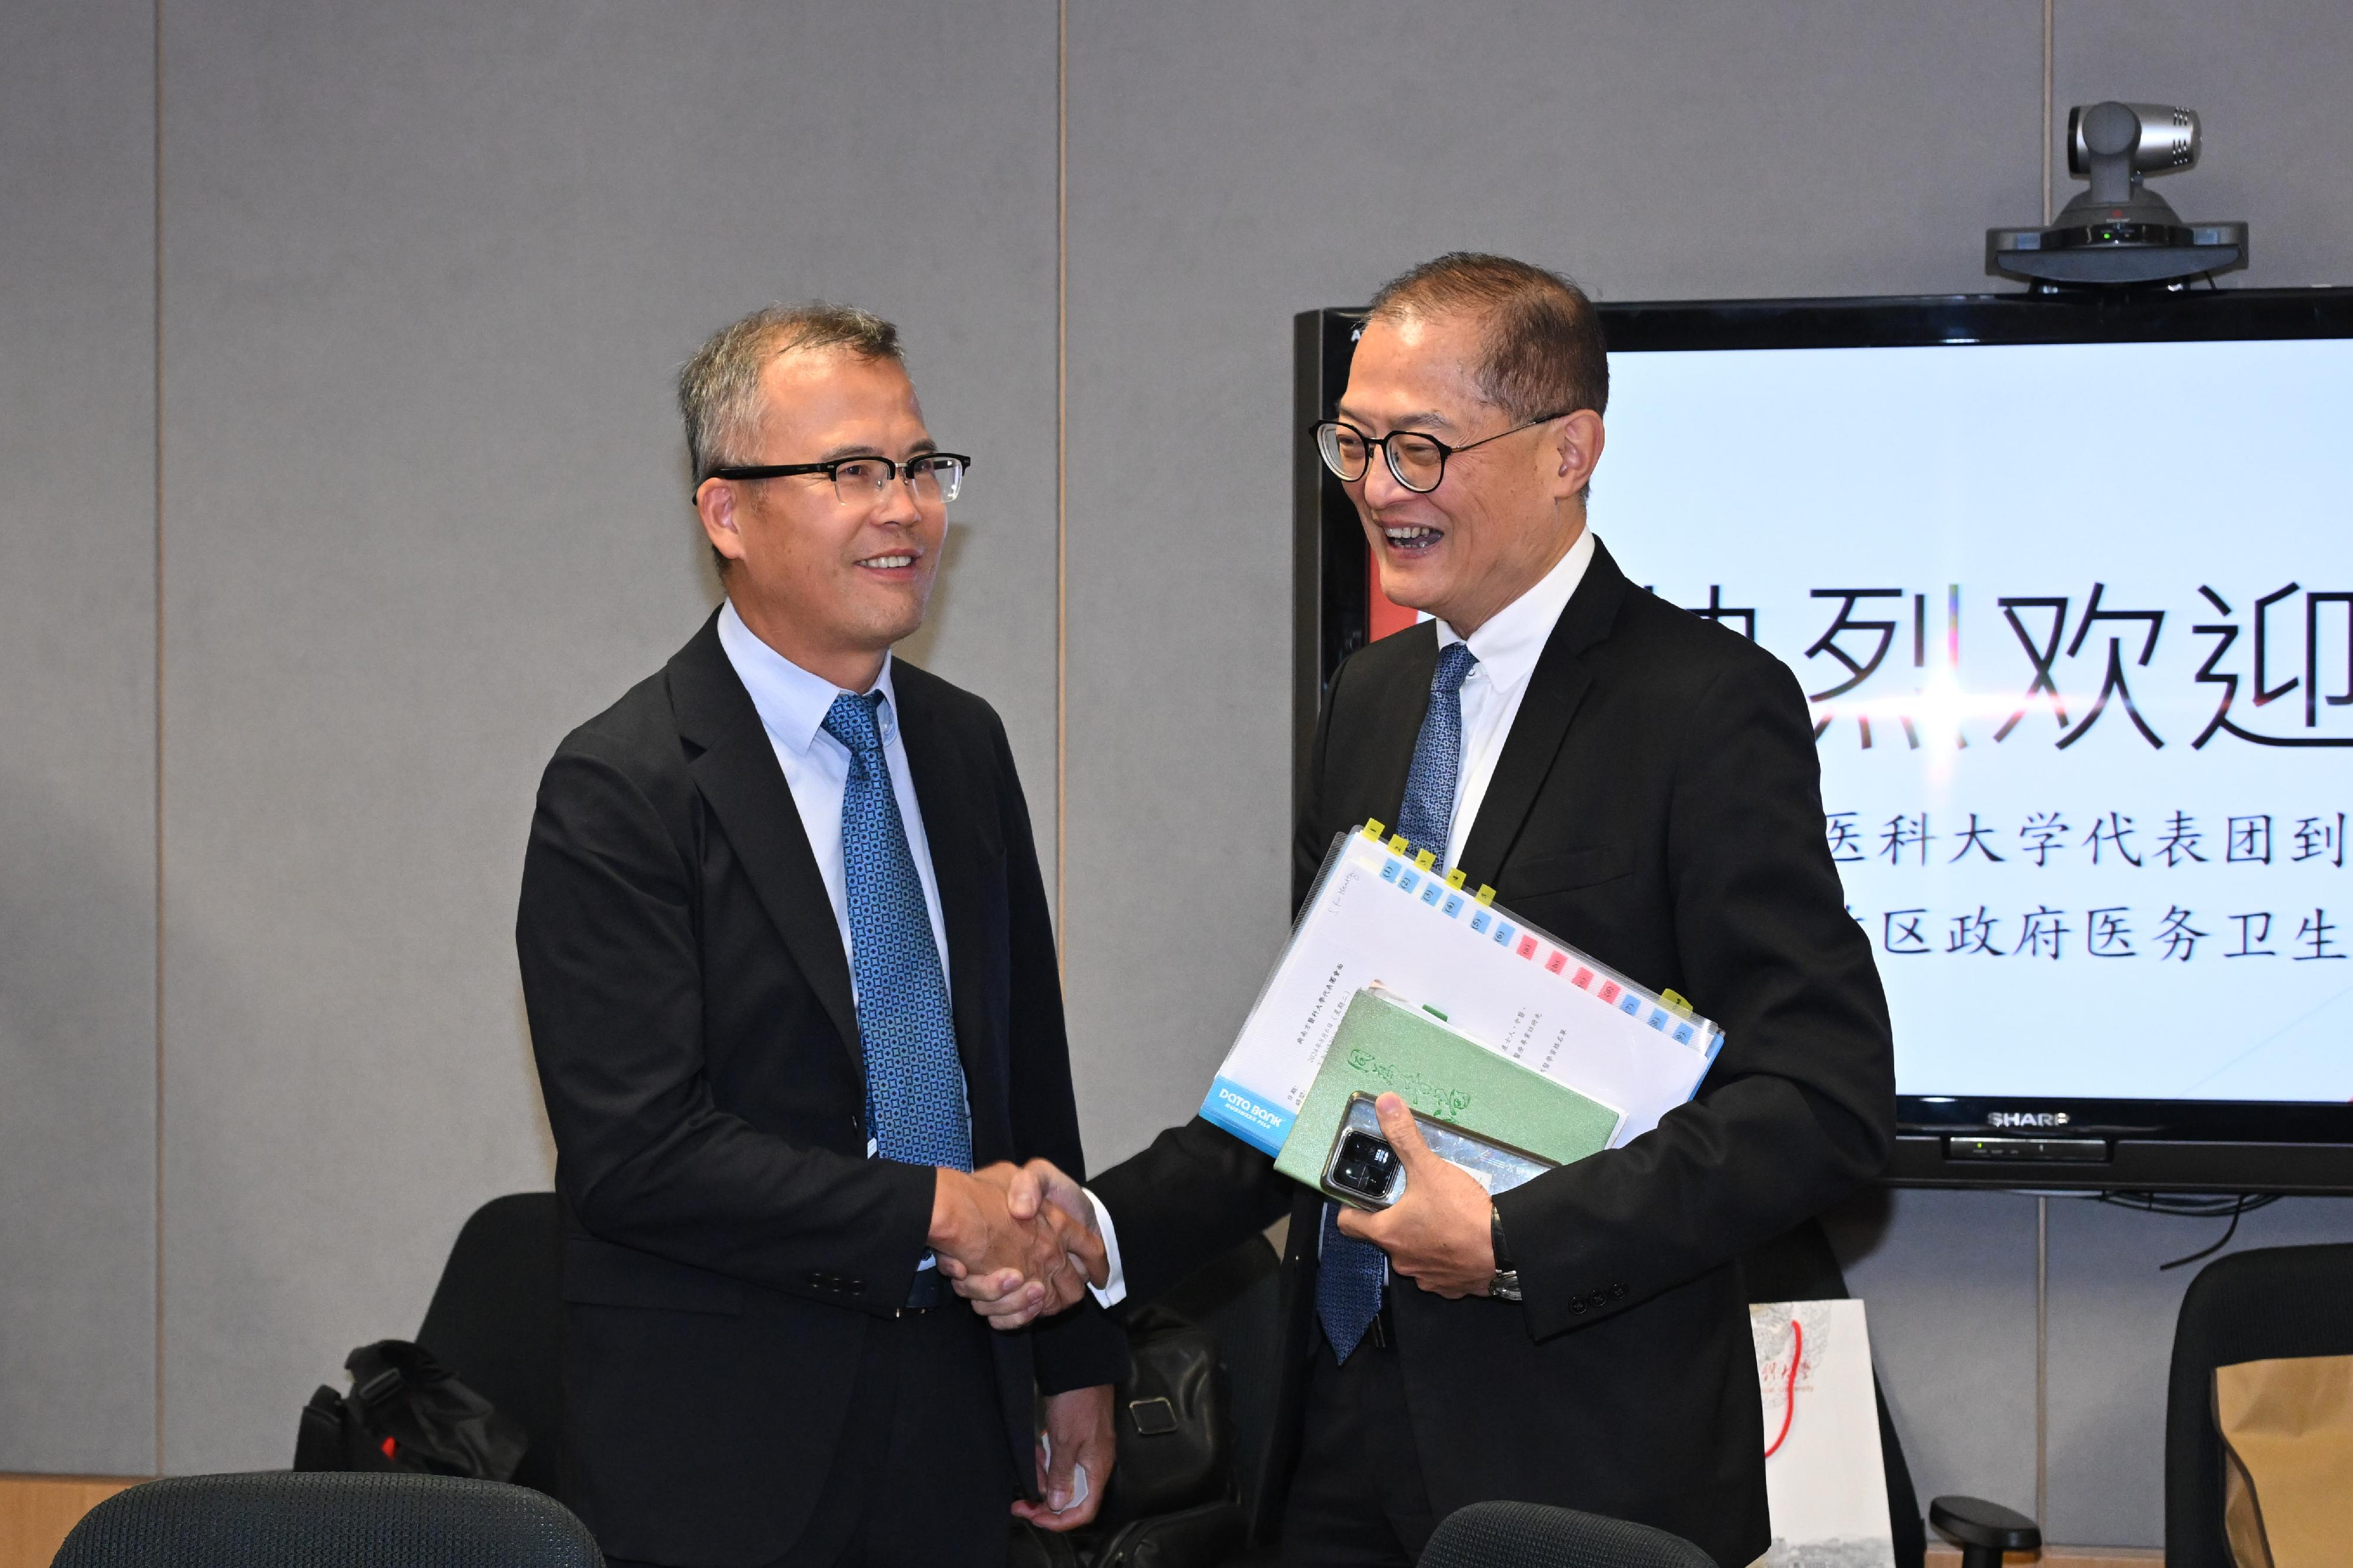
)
(920, 1477)
(1357, 1497)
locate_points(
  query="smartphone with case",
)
(1364, 1172)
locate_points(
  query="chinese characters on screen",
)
(2273, 670)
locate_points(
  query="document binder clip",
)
(1425, 861)
(1454, 879)
(1396, 843)
(1486, 894)
(1374, 828)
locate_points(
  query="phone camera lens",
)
(1365, 1166)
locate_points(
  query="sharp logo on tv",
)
(2026, 1119)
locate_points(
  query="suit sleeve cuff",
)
(1081, 1348)
(1114, 1287)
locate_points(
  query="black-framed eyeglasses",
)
(932, 478)
(1417, 461)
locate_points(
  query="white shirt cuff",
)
(1115, 1290)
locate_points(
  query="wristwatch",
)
(1505, 1285)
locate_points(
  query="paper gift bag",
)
(2288, 1459)
(1825, 1483)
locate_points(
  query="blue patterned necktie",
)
(914, 1081)
(1349, 1279)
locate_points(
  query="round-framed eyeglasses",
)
(1416, 461)
(934, 478)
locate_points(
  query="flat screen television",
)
(2068, 584)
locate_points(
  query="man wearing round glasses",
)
(1643, 783)
(794, 999)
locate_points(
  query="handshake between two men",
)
(1020, 1242)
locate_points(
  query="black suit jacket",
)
(729, 1246)
(1658, 805)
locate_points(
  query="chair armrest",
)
(1974, 1521)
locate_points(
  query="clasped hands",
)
(1439, 1234)
(1019, 1259)
(1014, 1257)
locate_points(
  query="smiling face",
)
(828, 583)
(1503, 515)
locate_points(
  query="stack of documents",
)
(1380, 916)
(1387, 1046)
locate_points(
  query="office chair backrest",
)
(284, 1519)
(2258, 1305)
(497, 1322)
(1531, 1535)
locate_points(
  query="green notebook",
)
(1384, 1044)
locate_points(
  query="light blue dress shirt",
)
(793, 704)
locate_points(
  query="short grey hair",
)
(719, 388)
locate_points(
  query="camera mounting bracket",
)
(2117, 232)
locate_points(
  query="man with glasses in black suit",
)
(1641, 782)
(794, 997)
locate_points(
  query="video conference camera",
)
(2119, 233)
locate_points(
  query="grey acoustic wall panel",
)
(2268, 79)
(77, 737)
(1232, 164)
(431, 269)
(1949, 1281)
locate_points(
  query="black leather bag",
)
(1171, 1416)
(1203, 1537)
(1172, 1502)
(406, 1412)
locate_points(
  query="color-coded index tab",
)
(1498, 980)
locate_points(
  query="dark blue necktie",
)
(914, 1081)
(1349, 1278)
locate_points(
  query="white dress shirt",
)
(793, 704)
(1508, 646)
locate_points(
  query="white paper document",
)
(1377, 918)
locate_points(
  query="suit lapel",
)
(738, 775)
(958, 843)
(1556, 688)
(1395, 726)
